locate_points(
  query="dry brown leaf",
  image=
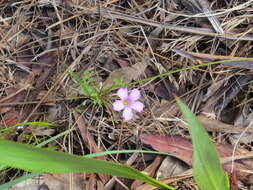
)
(166, 109)
(182, 149)
(126, 74)
(178, 146)
(171, 167)
(157, 86)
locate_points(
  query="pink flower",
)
(128, 102)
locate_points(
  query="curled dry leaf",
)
(166, 109)
(161, 88)
(126, 74)
(171, 167)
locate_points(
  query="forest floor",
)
(62, 62)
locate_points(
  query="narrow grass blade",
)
(125, 151)
(40, 160)
(207, 169)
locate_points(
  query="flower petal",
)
(127, 113)
(118, 105)
(137, 106)
(135, 94)
(122, 93)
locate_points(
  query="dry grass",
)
(103, 36)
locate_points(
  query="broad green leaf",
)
(35, 174)
(207, 169)
(40, 160)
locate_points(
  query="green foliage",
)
(35, 159)
(207, 169)
(88, 87)
(34, 174)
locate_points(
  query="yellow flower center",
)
(126, 102)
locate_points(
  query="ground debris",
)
(162, 48)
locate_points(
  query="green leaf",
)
(23, 178)
(40, 160)
(125, 151)
(207, 169)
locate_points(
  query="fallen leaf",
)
(182, 149)
(176, 145)
(171, 167)
(126, 74)
(165, 109)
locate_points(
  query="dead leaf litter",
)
(62, 62)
